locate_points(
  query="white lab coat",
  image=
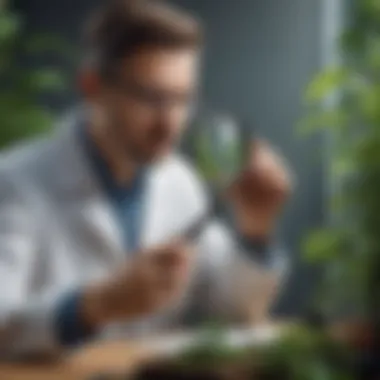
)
(58, 233)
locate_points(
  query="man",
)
(92, 218)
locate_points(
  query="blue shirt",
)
(127, 202)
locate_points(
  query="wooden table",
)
(112, 357)
(104, 358)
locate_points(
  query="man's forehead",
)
(177, 66)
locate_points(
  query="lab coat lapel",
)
(88, 209)
(91, 212)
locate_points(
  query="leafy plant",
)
(350, 246)
(306, 354)
(21, 109)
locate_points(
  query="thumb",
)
(255, 149)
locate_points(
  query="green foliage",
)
(211, 350)
(307, 354)
(326, 83)
(336, 119)
(204, 158)
(323, 244)
(22, 114)
(302, 353)
(350, 248)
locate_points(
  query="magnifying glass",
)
(218, 147)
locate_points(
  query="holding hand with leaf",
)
(260, 191)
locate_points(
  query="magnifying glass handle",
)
(194, 232)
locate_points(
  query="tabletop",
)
(121, 357)
(94, 360)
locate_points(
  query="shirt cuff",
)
(267, 254)
(264, 254)
(70, 329)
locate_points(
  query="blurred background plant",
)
(345, 102)
(23, 87)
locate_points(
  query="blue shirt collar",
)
(103, 173)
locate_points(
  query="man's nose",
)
(171, 115)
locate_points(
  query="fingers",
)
(263, 157)
(177, 245)
(173, 261)
(171, 255)
(151, 281)
(268, 167)
(169, 268)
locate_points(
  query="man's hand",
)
(260, 191)
(152, 281)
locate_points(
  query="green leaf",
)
(48, 79)
(10, 25)
(322, 245)
(353, 40)
(369, 104)
(204, 159)
(371, 7)
(339, 202)
(22, 116)
(334, 119)
(366, 152)
(326, 83)
(29, 122)
(373, 53)
(42, 43)
(343, 166)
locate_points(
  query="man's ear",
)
(89, 83)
